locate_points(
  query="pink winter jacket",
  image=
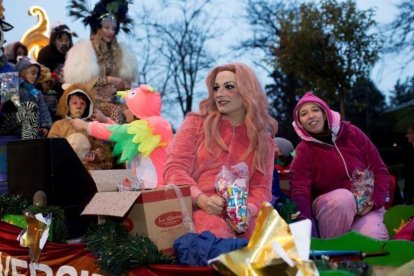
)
(318, 167)
(189, 162)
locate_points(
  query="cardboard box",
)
(154, 213)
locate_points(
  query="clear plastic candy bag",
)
(9, 88)
(232, 185)
(130, 183)
(362, 188)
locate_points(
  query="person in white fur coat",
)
(110, 66)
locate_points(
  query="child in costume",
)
(15, 49)
(142, 142)
(29, 73)
(46, 84)
(77, 102)
(110, 65)
(29, 117)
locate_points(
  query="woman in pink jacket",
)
(232, 126)
(324, 173)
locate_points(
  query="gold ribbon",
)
(259, 256)
(32, 235)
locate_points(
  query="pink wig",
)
(260, 126)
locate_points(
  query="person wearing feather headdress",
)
(143, 141)
(101, 59)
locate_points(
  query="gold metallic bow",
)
(33, 237)
(271, 250)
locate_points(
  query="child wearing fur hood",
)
(142, 142)
(77, 102)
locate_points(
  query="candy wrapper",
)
(362, 187)
(9, 88)
(130, 184)
(232, 185)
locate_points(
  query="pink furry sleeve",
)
(260, 185)
(99, 130)
(182, 156)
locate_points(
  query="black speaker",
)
(52, 166)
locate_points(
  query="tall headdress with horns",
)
(116, 10)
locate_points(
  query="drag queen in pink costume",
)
(232, 126)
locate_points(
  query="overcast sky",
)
(384, 75)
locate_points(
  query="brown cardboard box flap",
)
(107, 180)
(114, 204)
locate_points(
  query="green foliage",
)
(365, 104)
(401, 30)
(117, 251)
(59, 232)
(14, 204)
(264, 18)
(403, 92)
(324, 46)
(328, 46)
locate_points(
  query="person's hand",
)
(78, 124)
(59, 73)
(97, 115)
(367, 209)
(117, 82)
(43, 131)
(212, 205)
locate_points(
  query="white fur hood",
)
(81, 65)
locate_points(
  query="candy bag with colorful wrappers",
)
(9, 88)
(232, 185)
(362, 187)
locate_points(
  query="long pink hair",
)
(260, 126)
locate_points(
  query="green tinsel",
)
(118, 252)
(14, 204)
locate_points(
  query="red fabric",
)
(167, 270)
(406, 232)
(55, 256)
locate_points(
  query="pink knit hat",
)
(144, 101)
